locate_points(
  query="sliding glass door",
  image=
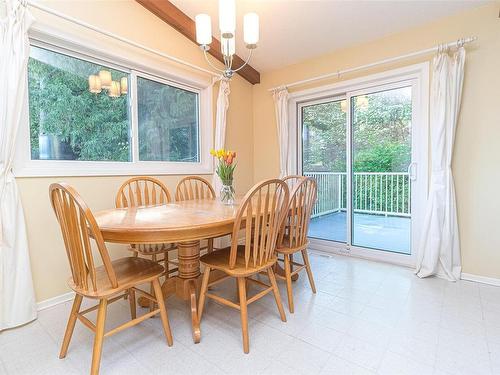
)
(381, 158)
(324, 158)
(360, 147)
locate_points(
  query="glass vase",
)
(227, 192)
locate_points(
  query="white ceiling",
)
(295, 30)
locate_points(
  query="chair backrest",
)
(260, 214)
(78, 227)
(142, 191)
(293, 180)
(296, 224)
(194, 187)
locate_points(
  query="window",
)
(150, 125)
(168, 122)
(67, 121)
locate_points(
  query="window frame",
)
(24, 166)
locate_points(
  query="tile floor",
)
(367, 318)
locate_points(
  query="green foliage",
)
(168, 122)
(324, 132)
(87, 126)
(381, 134)
(95, 127)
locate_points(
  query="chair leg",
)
(99, 336)
(71, 325)
(203, 291)
(305, 256)
(242, 290)
(151, 287)
(288, 276)
(210, 245)
(276, 293)
(133, 309)
(163, 311)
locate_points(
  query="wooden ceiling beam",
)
(180, 21)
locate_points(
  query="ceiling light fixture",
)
(227, 26)
(104, 81)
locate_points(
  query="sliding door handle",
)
(412, 171)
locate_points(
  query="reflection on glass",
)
(168, 122)
(381, 136)
(67, 121)
(324, 159)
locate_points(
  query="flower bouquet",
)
(225, 169)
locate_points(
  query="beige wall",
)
(130, 20)
(252, 131)
(476, 159)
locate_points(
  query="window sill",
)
(38, 168)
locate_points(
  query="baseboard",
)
(480, 279)
(51, 302)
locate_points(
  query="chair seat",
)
(129, 272)
(285, 248)
(220, 260)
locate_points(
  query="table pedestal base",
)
(187, 284)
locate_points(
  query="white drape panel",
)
(220, 124)
(439, 250)
(17, 299)
(280, 97)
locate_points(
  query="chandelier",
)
(227, 26)
(104, 81)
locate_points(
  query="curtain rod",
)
(117, 37)
(338, 73)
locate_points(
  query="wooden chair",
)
(293, 180)
(260, 215)
(293, 234)
(194, 187)
(147, 191)
(107, 283)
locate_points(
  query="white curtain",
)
(280, 97)
(439, 250)
(17, 299)
(220, 124)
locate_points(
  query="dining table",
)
(185, 223)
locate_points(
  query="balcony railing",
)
(373, 193)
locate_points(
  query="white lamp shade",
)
(343, 105)
(228, 46)
(95, 84)
(203, 29)
(227, 18)
(105, 76)
(124, 85)
(362, 102)
(114, 90)
(251, 28)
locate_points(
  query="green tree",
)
(381, 134)
(87, 126)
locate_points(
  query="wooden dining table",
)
(185, 223)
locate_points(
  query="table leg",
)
(188, 280)
(194, 312)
